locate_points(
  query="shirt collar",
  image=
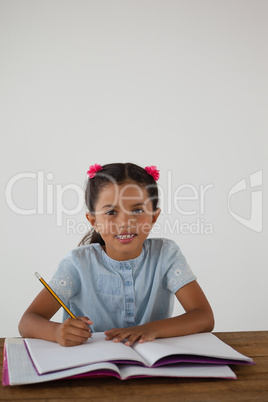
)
(119, 264)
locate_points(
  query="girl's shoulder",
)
(86, 251)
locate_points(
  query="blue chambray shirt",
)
(116, 294)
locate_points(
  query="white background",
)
(177, 84)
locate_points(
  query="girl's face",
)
(124, 217)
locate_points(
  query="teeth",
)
(125, 236)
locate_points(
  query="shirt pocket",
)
(110, 285)
(110, 290)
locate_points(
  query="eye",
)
(111, 212)
(137, 211)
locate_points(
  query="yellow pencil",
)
(54, 294)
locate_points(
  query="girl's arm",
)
(198, 317)
(35, 323)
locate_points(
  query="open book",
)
(196, 348)
(198, 355)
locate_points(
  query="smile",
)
(125, 236)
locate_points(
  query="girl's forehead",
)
(128, 191)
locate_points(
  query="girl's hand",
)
(73, 331)
(140, 333)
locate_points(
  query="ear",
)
(155, 215)
(92, 220)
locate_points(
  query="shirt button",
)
(128, 267)
(128, 283)
(130, 314)
(130, 300)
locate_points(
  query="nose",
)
(126, 220)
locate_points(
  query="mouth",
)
(125, 237)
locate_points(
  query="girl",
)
(118, 277)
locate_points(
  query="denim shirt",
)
(116, 294)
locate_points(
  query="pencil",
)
(54, 294)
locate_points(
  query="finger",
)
(111, 333)
(80, 324)
(142, 339)
(80, 332)
(77, 337)
(122, 336)
(76, 322)
(87, 320)
(73, 340)
(76, 328)
(71, 336)
(133, 338)
(116, 336)
(146, 338)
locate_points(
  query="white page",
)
(181, 370)
(21, 370)
(204, 344)
(49, 356)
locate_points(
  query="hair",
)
(116, 173)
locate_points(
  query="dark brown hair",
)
(116, 173)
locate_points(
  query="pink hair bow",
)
(93, 169)
(152, 170)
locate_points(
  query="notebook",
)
(196, 348)
(199, 355)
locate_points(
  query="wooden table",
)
(251, 383)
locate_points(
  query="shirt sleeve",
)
(178, 272)
(66, 281)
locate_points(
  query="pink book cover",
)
(5, 376)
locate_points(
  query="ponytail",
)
(92, 237)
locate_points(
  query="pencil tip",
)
(38, 275)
